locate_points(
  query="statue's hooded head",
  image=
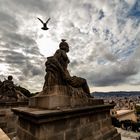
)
(64, 45)
(10, 77)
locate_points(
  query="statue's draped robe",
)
(57, 73)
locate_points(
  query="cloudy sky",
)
(104, 38)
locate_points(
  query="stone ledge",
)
(39, 116)
(13, 103)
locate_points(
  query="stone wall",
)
(86, 123)
(7, 118)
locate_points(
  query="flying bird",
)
(44, 24)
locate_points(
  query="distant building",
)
(124, 114)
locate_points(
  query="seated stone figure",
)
(7, 88)
(57, 73)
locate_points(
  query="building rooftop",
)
(124, 111)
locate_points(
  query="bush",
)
(115, 122)
(137, 109)
(24, 91)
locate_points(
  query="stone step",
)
(3, 136)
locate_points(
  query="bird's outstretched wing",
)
(41, 21)
(48, 20)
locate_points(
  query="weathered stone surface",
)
(84, 120)
(98, 136)
(50, 101)
(23, 134)
(7, 118)
(71, 134)
(83, 123)
(60, 125)
(58, 136)
(3, 124)
(11, 104)
(60, 101)
(116, 137)
(84, 132)
(97, 125)
(74, 123)
(106, 122)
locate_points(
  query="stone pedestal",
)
(62, 97)
(50, 101)
(61, 101)
(81, 123)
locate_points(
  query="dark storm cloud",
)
(31, 69)
(32, 5)
(109, 74)
(19, 50)
(37, 71)
(115, 76)
(19, 38)
(8, 22)
(32, 50)
(20, 41)
(14, 42)
(104, 56)
(73, 64)
(14, 57)
(101, 53)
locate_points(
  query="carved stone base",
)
(56, 97)
(77, 102)
(50, 101)
(61, 101)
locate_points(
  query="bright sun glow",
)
(46, 45)
(3, 69)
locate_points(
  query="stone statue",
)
(58, 74)
(9, 91)
(7, 88)
(60, 89)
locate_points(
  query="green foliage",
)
(24, 91)
(115, 122)
(137, 109)
(126, 124)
